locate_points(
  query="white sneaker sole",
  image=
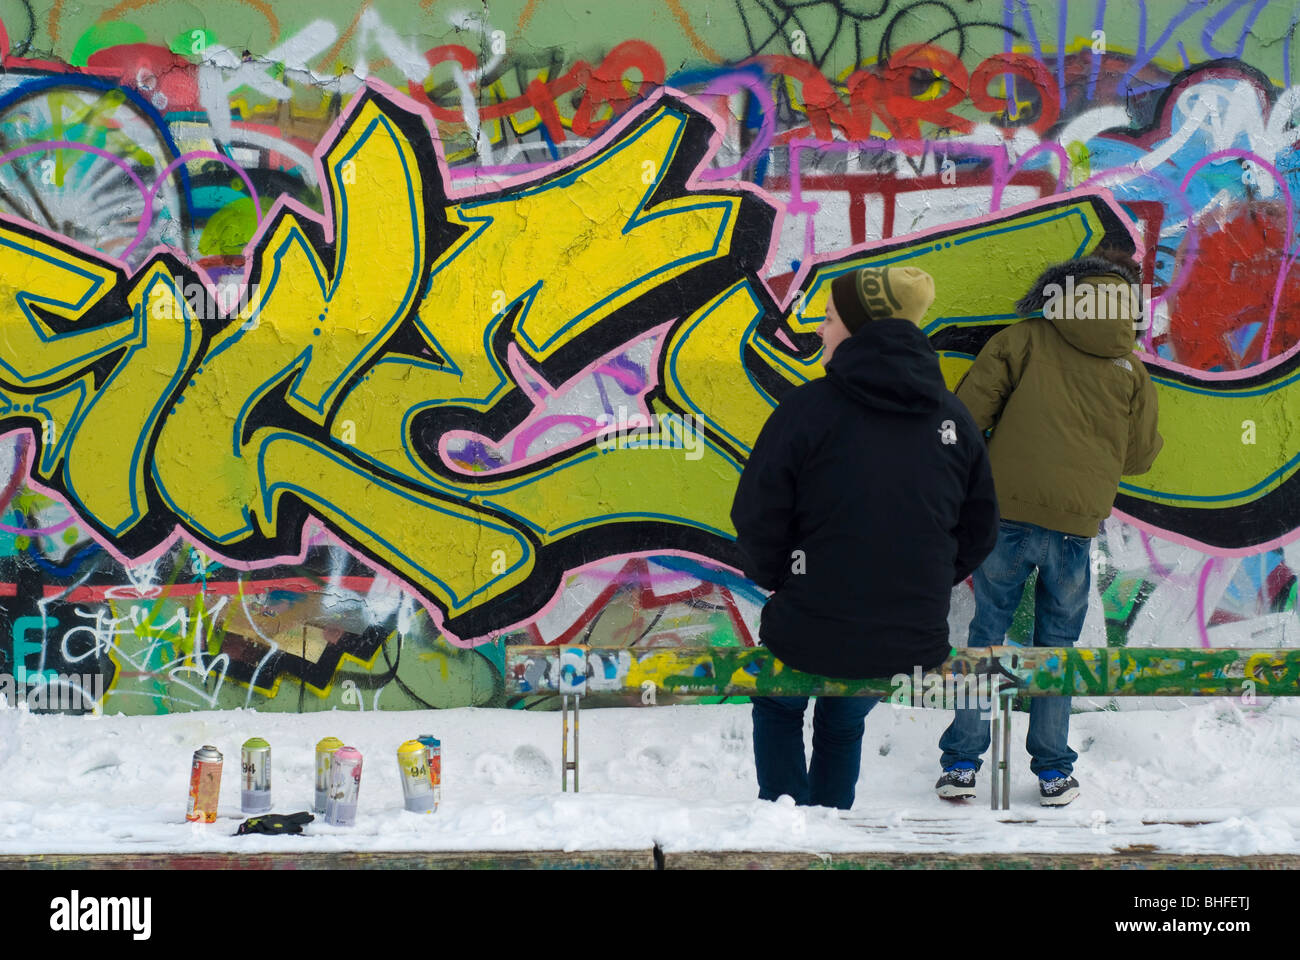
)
(951, 792)
(1061, 799)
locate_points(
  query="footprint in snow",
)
(95, 761)
(652, 756)
(531, 763)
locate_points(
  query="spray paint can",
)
(205, 785)
(413, 765)
(255, 776)
(345, 786)
(433, 753)
(324, 754)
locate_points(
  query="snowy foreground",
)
(681, 777)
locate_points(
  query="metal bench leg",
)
(996, 742)
(1000, 796)
(1006, 751)
(565, 764)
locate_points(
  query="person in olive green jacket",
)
(1071, 409)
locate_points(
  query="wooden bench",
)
(994, 674)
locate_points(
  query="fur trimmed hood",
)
(1092, 320)
(1034, 301)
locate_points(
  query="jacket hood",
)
(889, 365)
(1111, 335)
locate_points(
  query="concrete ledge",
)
(415, 860)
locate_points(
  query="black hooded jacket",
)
(866, 498)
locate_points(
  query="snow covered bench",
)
(993, 674)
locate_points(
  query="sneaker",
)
(1055, 789)
(957, 782)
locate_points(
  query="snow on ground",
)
(679, 776)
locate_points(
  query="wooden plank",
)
(698, 671)
(415, 860)
(926, 860)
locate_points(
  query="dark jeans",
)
(1060, 605)
(838, 723)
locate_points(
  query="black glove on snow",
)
(275, 823)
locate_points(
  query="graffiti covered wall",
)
(345, 344)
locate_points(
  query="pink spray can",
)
(345, 786)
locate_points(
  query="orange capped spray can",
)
(205, 785)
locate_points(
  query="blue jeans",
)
(838, 723)
(1060, 605)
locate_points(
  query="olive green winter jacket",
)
(1072, 410)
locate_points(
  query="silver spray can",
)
(255, 776)
(413, 768)
(325, 751)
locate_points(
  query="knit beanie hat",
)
(875, 293)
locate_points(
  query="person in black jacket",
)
(866, 499)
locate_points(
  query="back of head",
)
(1095, 302)
(878, 293)
(887, 363)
